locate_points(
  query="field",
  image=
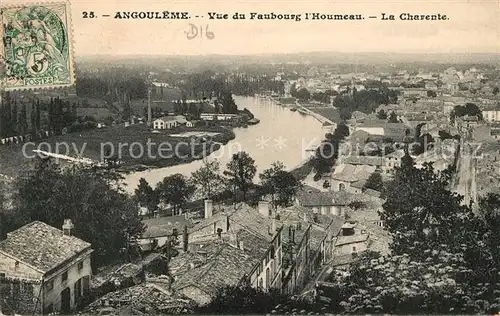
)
(98, 113)
(127, 144)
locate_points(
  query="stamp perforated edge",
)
(69, 27)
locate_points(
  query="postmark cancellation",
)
(37, 47)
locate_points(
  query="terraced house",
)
(43, 269)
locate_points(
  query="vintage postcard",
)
(37, 46)
(324, 157)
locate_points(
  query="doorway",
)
(65, 300)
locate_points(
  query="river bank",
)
(276, 138)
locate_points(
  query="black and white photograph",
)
(249, 157)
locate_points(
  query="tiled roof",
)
(364, 160)
(373, 193)
(227, 267)
(344, 240)
(309, 196)
(353, 173)
(240, 214)
(149, 298)
(164, 226)
(253, 244)
(42, 246)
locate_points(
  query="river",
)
(281, 135)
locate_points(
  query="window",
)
(80, 266)
(49, 285)
(16, 264)
(64, 276)
(268, 278)
(353, 249)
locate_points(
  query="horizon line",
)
(285, 54)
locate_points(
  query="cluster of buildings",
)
(45, 269)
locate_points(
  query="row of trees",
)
(14, 117)
(304, 95)
(327, 153)
(209, 181)
(16, 120)
(391, 118)
(111, 88)
(365, 101)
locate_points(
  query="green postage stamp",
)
(37, 46)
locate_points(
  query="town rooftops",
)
(364, 160)
(164, 226)
(227, 266)
(150, 297)
(309, 196)
(42, 246)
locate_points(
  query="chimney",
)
(305, 217)
(264, 208)
(273, 226)
(208, 208)
(241, 245)
(185, 239)
(67, 227)
(232, 239)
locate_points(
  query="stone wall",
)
(19, 297)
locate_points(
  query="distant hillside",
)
(313, 57)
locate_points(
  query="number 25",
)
(88, 15)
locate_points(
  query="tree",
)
(175, 190)
(495, 90)
(431, 94)
(280, 184)
(393, 118)
(208, 179)
(469, 109)
(303, 94)
(419, 207)
(23, 121)
(33, 121)
(382, 115)
(147, 196)
(91, 198)
(374, 182)
(241, 170)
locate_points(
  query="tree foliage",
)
(147, 196)
(86, 196)
(240, 172)
(280, 184)
(469, 109)
(374, 182)
(175, 190)
(208, 179)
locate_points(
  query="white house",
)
(491, 114)
(165, 122)
(191, 123)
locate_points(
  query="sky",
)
(473, 27)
